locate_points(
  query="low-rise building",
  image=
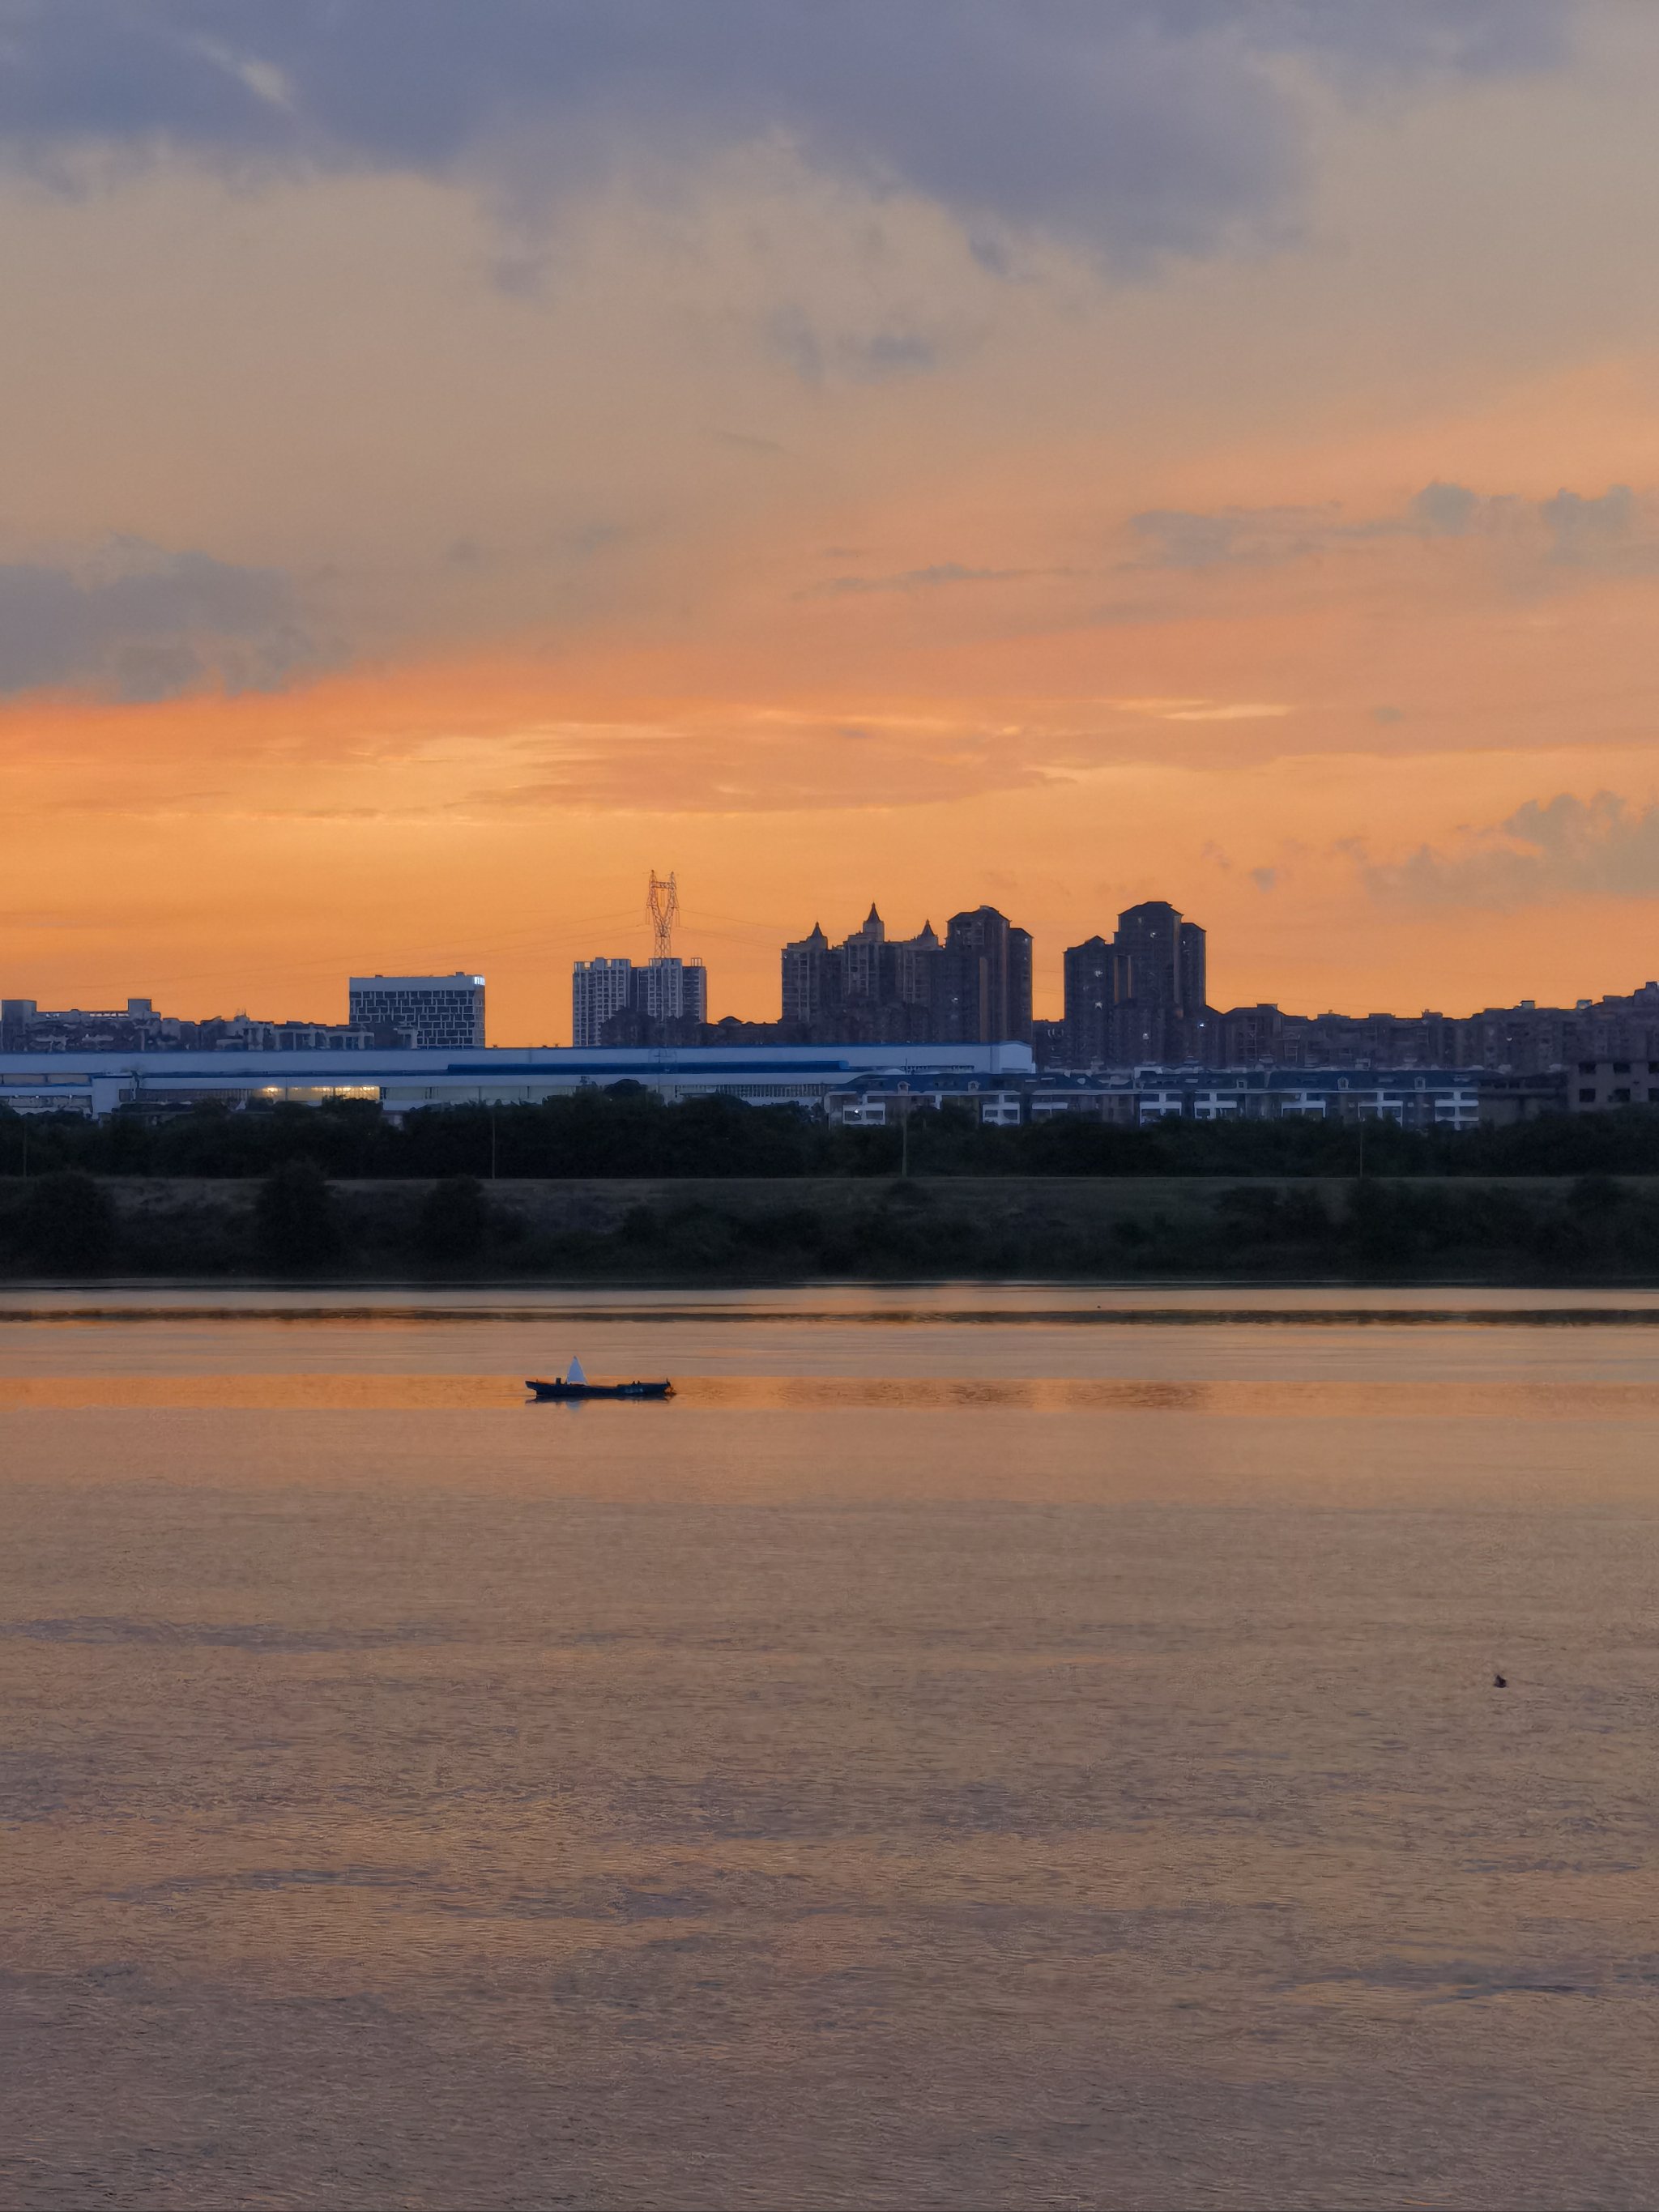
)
(1137, 1097)
(884, 1100)
(1594, 1085)
(420, 1013)
(26, 1027)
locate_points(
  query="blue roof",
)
(672, 1063)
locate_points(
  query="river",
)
(990, 1747)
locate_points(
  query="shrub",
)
(67, 1223)
(454, 1220)
(295, 1223)
(1597, 1195)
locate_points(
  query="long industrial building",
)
(855, 1085)
(401, 1081)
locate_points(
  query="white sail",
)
(574, 1373)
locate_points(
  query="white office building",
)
(425, 1013)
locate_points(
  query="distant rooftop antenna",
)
(662, 903)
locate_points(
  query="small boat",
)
(573, 1384)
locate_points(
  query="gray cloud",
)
(1243, 537)
(1443, 510)
(1136, 126)
(1546, 849)
(141, 623)
(1571, 528)
(820, 355)
(1589, 529)
(1576, 530)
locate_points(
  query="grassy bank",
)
(1531, 1229)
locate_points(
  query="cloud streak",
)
(940, 576)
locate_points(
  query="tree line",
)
(629, 1131)
(294, 1221)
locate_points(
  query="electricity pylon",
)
(662, 903)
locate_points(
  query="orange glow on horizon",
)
(783, 537)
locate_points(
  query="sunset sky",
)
(460, 456)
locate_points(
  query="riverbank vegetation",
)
(629, 1132)
(296, 1222)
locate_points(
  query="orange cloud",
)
(782, 531)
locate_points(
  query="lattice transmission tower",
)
(662, 903)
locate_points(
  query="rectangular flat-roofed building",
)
(427, 1013)
(405, 1082)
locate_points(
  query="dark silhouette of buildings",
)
(1096, 984)
(1048, 1044)
(982, 981)
(1136, 999)
(974, 987)
(1522, 1040)
(27, 1027)
(870, 989)
(1142, 997)
(810, 976)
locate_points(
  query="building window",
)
(1587, 1098)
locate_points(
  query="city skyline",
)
(1137, 997)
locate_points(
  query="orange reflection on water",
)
(1276, 1399)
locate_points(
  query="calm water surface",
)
(969, 1749)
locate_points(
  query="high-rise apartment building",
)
(912, 960)
(982, 980)
(1096, 984)
(870, 988)
(672, 990)
(598, 989)
(1150, 936)
(1143, 997)
(810, 978)
(1192, 976)
(663, 990)
(426, 1012)
(862, 963)
(973, 988)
